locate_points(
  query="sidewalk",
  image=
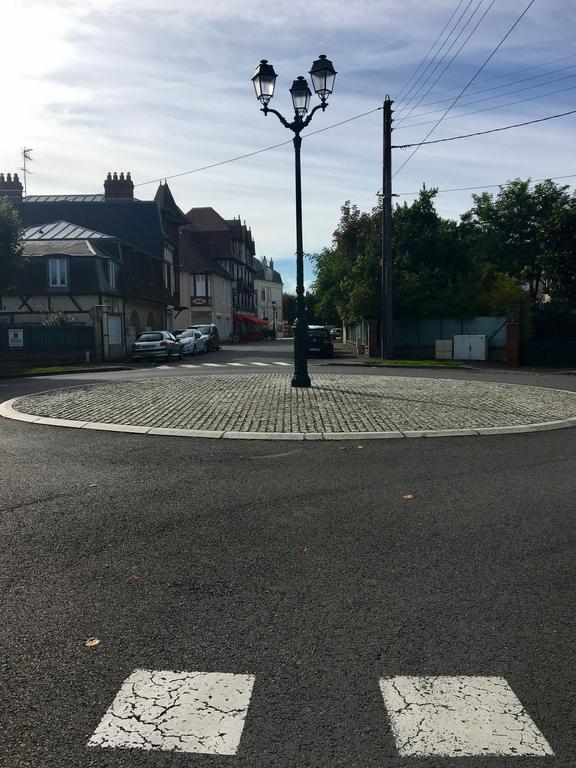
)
(265, 406)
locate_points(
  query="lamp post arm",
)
(321, 106)
(280, 117)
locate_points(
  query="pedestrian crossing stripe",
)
(205, 712)
(220, 365)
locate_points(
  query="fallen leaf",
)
(92, 641)
(135, 577)
(302, 547)
(93, 485)
(408, 496)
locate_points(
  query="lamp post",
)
(323, 75)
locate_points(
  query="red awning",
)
(250, 319)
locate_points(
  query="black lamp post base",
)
(301, 380)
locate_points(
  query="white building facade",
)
(268, 289)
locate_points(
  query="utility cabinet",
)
(470, 347)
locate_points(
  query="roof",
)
(136, 222)
(58, 247)
(166, 201)
(63, 230)
(262, 272)
(206, 220)
(199, 251)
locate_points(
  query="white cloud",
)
(162, 87)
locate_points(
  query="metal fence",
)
(42, 338)
(424, 332)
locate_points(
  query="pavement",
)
(210, 603)
(266, 406)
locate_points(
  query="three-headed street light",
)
(323, 75)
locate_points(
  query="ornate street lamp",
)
(264, 79)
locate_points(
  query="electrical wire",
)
(486, 186)
(418, 103)
(498, 106)
(256, 152)
(482, 133)
(497, 95)
(469, 83)
(424, 74)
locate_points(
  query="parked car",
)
(156, 344)
(211, 334)
(336, 334)
(192, 341)
(320, 341)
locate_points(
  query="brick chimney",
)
(118, 186)
(10, 186)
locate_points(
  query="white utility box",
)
(443, 349)
(470, 347)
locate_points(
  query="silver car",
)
(157, 345)
(192, 341)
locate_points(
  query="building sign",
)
(15, 338)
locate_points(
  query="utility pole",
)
(387, 306)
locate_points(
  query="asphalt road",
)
(299, 564)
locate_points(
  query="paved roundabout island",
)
(265, 406)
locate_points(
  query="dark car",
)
(320, 341)
(213, 343)
(156, 344)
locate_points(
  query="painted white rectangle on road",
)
(239, 365)
(201, 712)
(213, 365)
(275, 363)
(459, 717)
(267, 364)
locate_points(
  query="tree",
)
(515, 227)
(560, 255)
(11, 248)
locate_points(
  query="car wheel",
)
(181, 355)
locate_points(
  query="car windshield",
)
(205, 329)
(187, 334)
(151, 337)
(318, 333)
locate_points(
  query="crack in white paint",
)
(459, 717)
(201, 712)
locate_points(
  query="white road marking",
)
(261, 364)
(188, 365)
(459, 717)
(239, 365)
(162, 367)
(201, 712)
(281, 363)
(213, 365)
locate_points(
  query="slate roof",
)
(206, 220)
(63, 230)
(166, 201)
(199, 252)
(136, 222)
(261, 273)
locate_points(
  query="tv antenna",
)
(26, 158)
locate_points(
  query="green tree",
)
(560, 255)
(514, 228)
(11, 249)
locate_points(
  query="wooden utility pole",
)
(387, 305)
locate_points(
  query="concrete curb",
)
(8, 411)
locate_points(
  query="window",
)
(112, 274)
(58, 273)
(202, 286)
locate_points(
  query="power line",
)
(491, 109)
(256, 152)
(480, 20)
(429, 50)
(482, 133)
(486, 186)
(469, 83)
(495, 96)
(408, 97)
(499, 77)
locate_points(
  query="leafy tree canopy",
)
(11, 251)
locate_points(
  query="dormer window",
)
(58, 273)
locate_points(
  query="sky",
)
(161, 87)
